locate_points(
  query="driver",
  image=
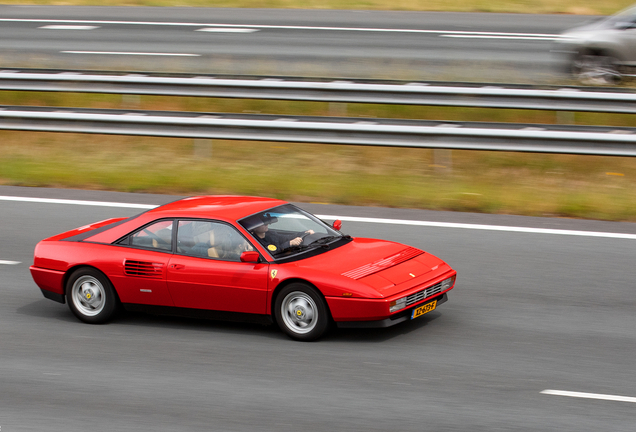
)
(275, 241)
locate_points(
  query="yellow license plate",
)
(426, 308)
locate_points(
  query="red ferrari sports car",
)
(231, 257)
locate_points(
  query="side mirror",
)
(337, 224)
(250, 257)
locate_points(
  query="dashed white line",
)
(273, 27)
(360, 219)
(132, 53)
(4, 262)
(68, 27)
(607, 397)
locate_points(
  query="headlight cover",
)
(398, 304)
(448, 283)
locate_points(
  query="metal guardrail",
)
(585, 140)
(379, 92)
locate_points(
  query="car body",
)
(203, 256)
(601, 52)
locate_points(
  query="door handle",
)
(177, 266)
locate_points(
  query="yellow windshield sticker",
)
(271, 247)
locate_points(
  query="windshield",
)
(624, 18)
(287, 230)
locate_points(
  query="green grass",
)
(488, 182)
(585, 7)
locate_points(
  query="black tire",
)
(301, 312)
(91, 296)
(596, 69)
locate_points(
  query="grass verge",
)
(581, 7)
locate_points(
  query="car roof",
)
(228, 207)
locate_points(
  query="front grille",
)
(426, 293)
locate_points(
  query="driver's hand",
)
(296, 242)
(310, 232)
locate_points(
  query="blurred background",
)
(409, 41)
(543, 243)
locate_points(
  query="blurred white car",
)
(602, 52)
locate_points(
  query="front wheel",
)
(90, 296)
(301, 312)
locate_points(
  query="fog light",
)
(398, 304)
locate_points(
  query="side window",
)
(155, 236)
(210, 240)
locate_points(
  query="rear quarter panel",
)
(61, 256)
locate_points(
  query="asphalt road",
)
(530, 312)
(359, 44)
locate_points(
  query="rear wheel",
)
(596, 69)
(301, 312)
(90, 296)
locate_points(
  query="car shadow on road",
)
(45, 310)
(143, 319)
(374, 335)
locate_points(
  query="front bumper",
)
(393, 320)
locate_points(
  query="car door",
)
(142, 261)
(206, 272)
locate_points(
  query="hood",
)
(385, 266)
(355, 254)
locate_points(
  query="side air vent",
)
(144, 269)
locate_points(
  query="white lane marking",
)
(4, 262)
(275, 27)
(483, 227)
(131, 53)
(76, 202)
(68, 27)
(227, 30)
(466, 36)
(590, 395)
(357, 219)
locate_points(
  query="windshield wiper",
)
(324, 240)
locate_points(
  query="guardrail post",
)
(443, 160)
(337, 109)
(130, 101)
(202, 148)
(565, 117)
